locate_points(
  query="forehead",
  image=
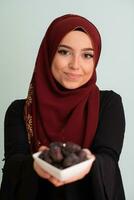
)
(78, 38)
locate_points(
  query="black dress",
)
(20, 181)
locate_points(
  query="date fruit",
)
(63, 155)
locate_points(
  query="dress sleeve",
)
(18, 168)
(15, 138)
(105, 173)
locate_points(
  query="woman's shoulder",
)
(109, 97)
(16, 106)
(109, 94)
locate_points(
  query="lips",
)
(72, 76)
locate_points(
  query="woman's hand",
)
(43, 174)
(57, 182)
(83, 173)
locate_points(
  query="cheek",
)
(89, 70)
(56, 68)
(58, 64)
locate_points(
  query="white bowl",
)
(62, 174)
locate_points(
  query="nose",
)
(74, 63)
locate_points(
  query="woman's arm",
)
(19, 177)
(105, 173)
(111, 127)
(15, 137)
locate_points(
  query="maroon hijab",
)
(53, 113)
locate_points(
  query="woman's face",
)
(73, 63)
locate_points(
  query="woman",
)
(65, 104)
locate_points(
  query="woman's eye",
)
(63, 52)
(88, 55)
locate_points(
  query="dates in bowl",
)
(63, 160)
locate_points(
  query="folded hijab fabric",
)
(53, 113)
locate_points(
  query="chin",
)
(71, 86)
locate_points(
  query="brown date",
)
(63, 155)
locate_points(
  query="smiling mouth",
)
(72, 76)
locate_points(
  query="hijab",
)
(51, 112)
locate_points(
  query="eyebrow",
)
(84, 49)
